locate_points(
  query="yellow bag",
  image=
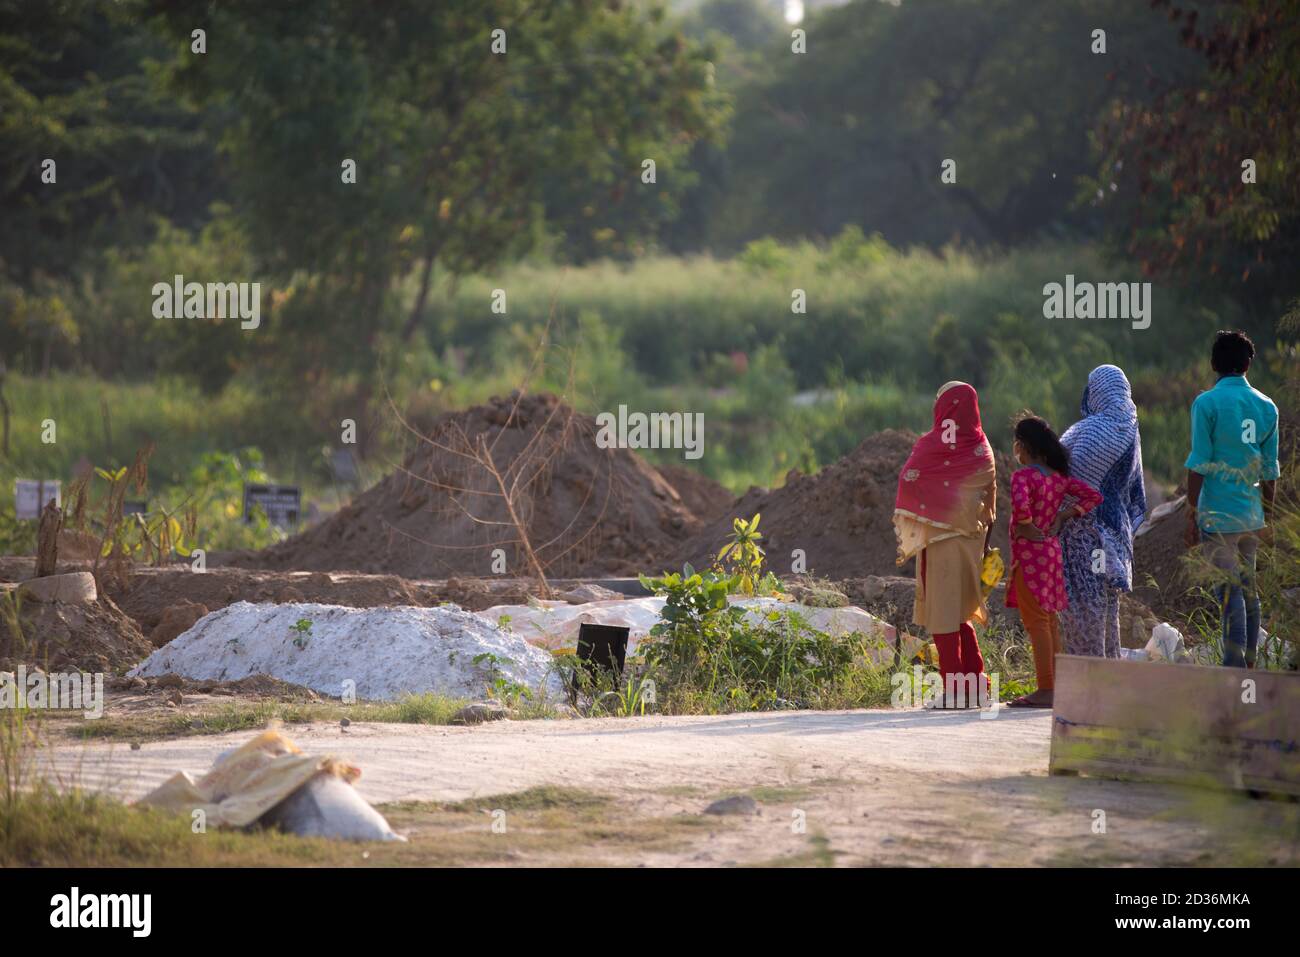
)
(992, 571)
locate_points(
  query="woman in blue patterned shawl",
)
(1106, 452)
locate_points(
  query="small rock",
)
(587, 592)
(740, 804)
(135, 745)
(344, 722)
(479, 712)
(73, 588)
(169, 681)
(138, 684)
(175, 698)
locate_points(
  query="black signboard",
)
(281, 503)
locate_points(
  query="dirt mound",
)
(706, 499)
(59, 636)
(150, 595)
(176, 620)
(586, 510)
(842, 517)
(1161, 577)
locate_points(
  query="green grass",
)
(543, 798)
(561, 826)
(105, 422)
(818, 853)
(45, 828)
(426, 708)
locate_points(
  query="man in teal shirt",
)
(1231, 480)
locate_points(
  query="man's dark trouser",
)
(1234, 555)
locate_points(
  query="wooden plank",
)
(1192, 724)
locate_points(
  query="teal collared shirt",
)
(1234, 445)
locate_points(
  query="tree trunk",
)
(426, 275)
(4, 405)
(47, 540)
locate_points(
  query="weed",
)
(302, 632)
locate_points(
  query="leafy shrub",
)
(704, 656)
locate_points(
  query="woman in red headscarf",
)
(943, 515)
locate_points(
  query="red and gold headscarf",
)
(948, 485)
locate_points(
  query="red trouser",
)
(959, 652)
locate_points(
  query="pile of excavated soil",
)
(1162, 577)
(707, 499)
(162, 600)
(586, 510)
(153, 595)
(378, 653)
(842, 517)
(62, 636)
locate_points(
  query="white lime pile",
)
(379, 653)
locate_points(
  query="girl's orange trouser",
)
(1044, 633)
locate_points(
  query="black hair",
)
(1041, 442)
(1232, 352)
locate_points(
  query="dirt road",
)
(862, 787)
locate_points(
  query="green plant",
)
(302, 632)
(11, 607)
(708, 655)
(17, 537)
(742, 555)
(160, 534)
(499, 684)
(19, 739)
(116, 548)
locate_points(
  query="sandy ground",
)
(862, 787)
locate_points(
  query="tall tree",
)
(76, 88)
(1211, 166)
(456, 114)
(855, 130)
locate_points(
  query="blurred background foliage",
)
(523, 172)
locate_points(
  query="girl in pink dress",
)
(1037, 583)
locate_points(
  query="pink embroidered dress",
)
(1036, 496)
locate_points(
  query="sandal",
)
(1024, 702)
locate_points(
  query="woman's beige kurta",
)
(951, 592)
